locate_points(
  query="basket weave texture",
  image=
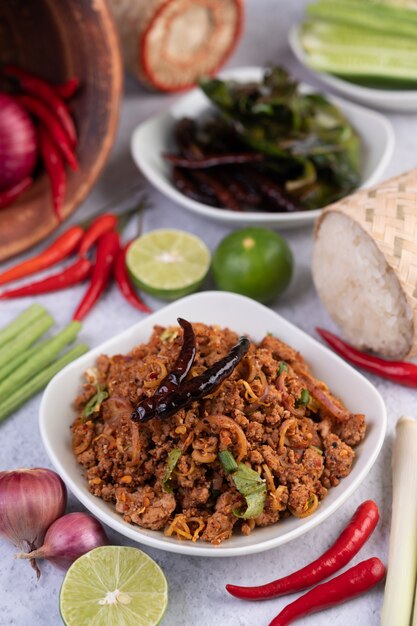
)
(388, 214)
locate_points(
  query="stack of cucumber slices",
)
(369, 42)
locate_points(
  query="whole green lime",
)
(254, 262)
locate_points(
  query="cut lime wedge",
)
(114, 586)
(168, 263)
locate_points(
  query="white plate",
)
(404, 100)
(56, 416)
(155, 136)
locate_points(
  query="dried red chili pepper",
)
(189, 188)
(195, 388)
(400, 372)
(179, 372)
(346, 546)
(59, 249)
(71, 275)
(67, 90)
(35, 86)
(280, 201)
(108, 246)
(350, 584)
(8, 196)
(222, 193)
(122, 279)
(55, 169)
(57, 133)
(214, 160)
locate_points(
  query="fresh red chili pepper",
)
(57, 133)
(55, 169)
(399, 372)
(68, 89)
(71, 275)
(122, 279)
(35, 86)
(349, 542)
(108, 247)
(101, 224)
(8, 196)
(350, 584)
(59, 249)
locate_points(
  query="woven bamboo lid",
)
(388, 214)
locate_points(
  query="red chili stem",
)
(350, 584)
(71, 275)
(59, 249)
(55, 169)
(399, 372)
(35, 86)
(346, 546)
(122, 279)
(8, 196)
(67, 90)
(108, 246)
(43, 114)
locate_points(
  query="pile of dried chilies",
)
(100, 235)
(55, 129)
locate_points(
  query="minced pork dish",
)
(266, 444)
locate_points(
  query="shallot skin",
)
(68, 538)
(31, 499)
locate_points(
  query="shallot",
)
(30, 501)
(18, 146)
(68, 538)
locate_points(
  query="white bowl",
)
(403, 100)
(57, 414)
(155, 136)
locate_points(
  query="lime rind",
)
(168, 263)
(114, 586)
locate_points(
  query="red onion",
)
(18, 147)
(68, 538)
(30, 500)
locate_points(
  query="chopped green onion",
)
(94, 403)
(316, 449)
(173, 458)
(283, 367)
(228, 462)
(169, 335)
(304, 398)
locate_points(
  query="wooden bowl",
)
(57, 40)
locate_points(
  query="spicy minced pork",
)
(270, 414)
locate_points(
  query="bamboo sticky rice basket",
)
(388, 214)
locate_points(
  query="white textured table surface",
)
(196, 585)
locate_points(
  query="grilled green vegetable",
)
(302, 132)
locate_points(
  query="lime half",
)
(168, 263)
(114, 586)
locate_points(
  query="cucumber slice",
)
(315, 35)
(381, 18)
(351, 63)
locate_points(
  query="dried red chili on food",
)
(195, 388)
